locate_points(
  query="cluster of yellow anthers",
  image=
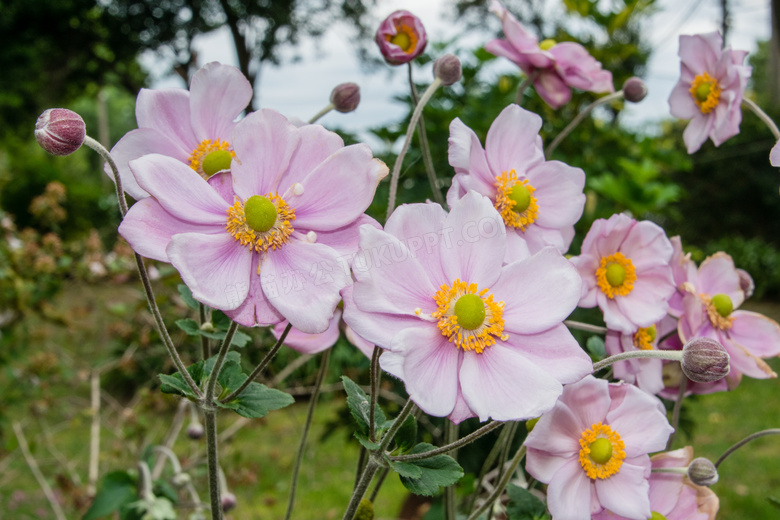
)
(515, 201)
(705, 91)
(616, 275)
(602, 451)
(206, 147)
(405, 38)
(718, 321)
(463, 330)
(644, 337)
(260, 241)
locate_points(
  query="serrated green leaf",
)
(239, 338)
(437, 472)
(358, 403)
(189, 326)
(407, 434)
(257, 400)
(174, 384)
(405, 469)
(367, 444)
(523, 505)
(118, 489)
(186, 296)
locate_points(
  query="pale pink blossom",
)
(683, 269)
(709, 93)
(468, 335)
(592, 450)
(539, 200)
(265, 242)
(625, 271)
(554, 68)
(401, 37)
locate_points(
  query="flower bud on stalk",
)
(702, 472)
(60, 131)
(195, 431)
(228, 501)
(345, 97)
(447, 69)
(705, 360)
(634, 89)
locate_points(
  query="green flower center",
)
(216, 161)
(722, 304)
(616, 274)
(470, 311)
(547, 44)
(657, 516)
(260, 213)
(652, 332)
(521, 197)
(402, 40)
(600, 450)
(702, 92)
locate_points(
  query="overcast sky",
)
(302, 88)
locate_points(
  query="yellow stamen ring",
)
(644, 337)
(601, 451)
(203, 164)
(616, 275)
(274, 236)
(463, 322)
(705, 91)
(717, 320)
(405, 38)
(511, 192)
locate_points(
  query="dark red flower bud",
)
(60, 131)
(634, 89)
(447, 69)
(345, 97)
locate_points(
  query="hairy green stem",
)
(501, 484)
(671, 355)
(450, 506)
(374, 375)
(379, 481)
(763, 116)
(587, 327)
(321, 113)
(213, 463)
(489, 427)
(204, 341)
(578, 119)
(676, 411)
(506, 436)
(223, 350)
(424, 147)
(524, 85)
(753, 436)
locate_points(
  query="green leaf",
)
(407, 434)
(359, 407)
(257, 400)
(523, 505)
(175, 384)
(189, 326)
(595, 346)
(186, 296)
(405, 469)
(367, 444)
(119, 489)
(437, 472)
(220, 320)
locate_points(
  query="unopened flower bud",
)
(365, 510)
(195, 431)
(228, 501)
(746, 283)
(345, 97)
(447, 69)
(705, 360)
(634, 89)
(702, 472)
(60, 131)
(181, 479)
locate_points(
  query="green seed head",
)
(652, 332)
(723, 304)
(521, 196)
(601, 450)
(260, 213)
(703, 91)
(470, 311)
(216, 161)
(547, 44)
(616, 274)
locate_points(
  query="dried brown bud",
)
(634, 89)
(705, 360)
(60, 131)
(702, 472)
(345, 97)
(447, 69)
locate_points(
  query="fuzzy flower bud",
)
(634, 89)
(228, 501)
(705, 360)
(345, 97)
(401, 38)
(702, 472)
(60, 131)
(195, 431)
(746, 283)
(447, 69)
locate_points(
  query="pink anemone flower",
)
(401, 37)
(192, 126)
(260, 248)
(674, 496)
(709, 93)
(592, 450)
(539, 201)
(625, 271)
(315, 343)
(710, 310)
(554, 67)
(468, 335)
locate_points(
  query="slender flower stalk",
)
(504, 438)
(524, 86)
(501, 484)
(578, 119)
(309, 416)
(146, 282)
(749, 103)
(223, 350)
(409, 133)
(379, 481)
(261, 366)
(762, 433)
(676, 411)
(376, 374)
(672, 355)
(204, 341)
(424, 147)
(587, 327)
(450, 506)
(321, 113)
(454, 445)
(213, 464)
